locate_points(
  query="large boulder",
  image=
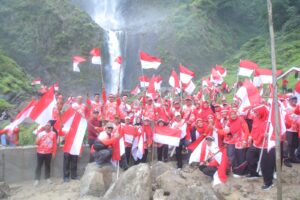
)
(96, 181)
(4, 190)
(133, 184)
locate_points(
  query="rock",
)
(170, 181)
(194, 193)
(223, 189)
(159, 168)
(4, 190)
(159, 194)
(96, 181)
(135, 183)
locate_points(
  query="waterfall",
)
(108, 15)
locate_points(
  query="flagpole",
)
(103, 88)
(277, 128)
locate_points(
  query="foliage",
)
(26, 136)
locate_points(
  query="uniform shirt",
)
(46, 142)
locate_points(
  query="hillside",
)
(42, 36)
(14, 84)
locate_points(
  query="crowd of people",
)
(243, 134)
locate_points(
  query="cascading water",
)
(108, 14)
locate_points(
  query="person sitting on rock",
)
(103, 144)
(210, 165)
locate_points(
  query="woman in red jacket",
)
(46, 150)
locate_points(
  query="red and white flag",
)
(76, 61)
(248, 95)
(189, 87)
(96, 56)
(148, 61)
(117, 63)
(157, 82)
(297, 91)
(43, 109)
(137, 149)
(118, 149)
(136, 90)
(21, 116)
(174, 81)
(36, 81)
(75, 135)
(247, 67)
(66, 119)
(56, 87)
(206, 82)
(216, 77)
(271, 122)
(221, 70)
(144, 81)
(185, 75)
(220, 175)
(167, 135)
(263, 76)
(199, 153)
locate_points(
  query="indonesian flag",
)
(198, 150)
(56, 87)
(167, 135)
(43, 110)
(66, 119)
(263, 76)
(36, 81)
(74, 137)
(247, 67)
(96, 56)
(216, 77)
(117, 63)
(118, 149)
(221, 70)
(189, 87)
(76, 61)
(157, 82)
(248, 95)
(129, 133)
(206, 82)
(185, 75)
(21, 116)
(271, 122)
(220, 175)
(144, 81)
(137, 149)
(136, 90)
(70, 100)
(148, 61)
(174, 81)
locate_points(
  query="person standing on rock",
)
(162, 149)
(46, 150)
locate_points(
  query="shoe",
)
(49, 181)
(252, 176)
(36, 183)
(275, 175)
(75, 178)
(287, 163)
(236, 176)
(267, 187)
(66, 180)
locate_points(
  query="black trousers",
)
(252, 158)
(70, 166)
(207, 170)
(43, 158)
(240, 165)
(162, 152)
(128, 154)
(268, 165)
(91, 142)
(179, 155)
(292, 140)
(231, 154)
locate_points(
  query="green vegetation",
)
(26, 136)
(42, 36)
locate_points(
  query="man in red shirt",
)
(46, 149)
(94, 128)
